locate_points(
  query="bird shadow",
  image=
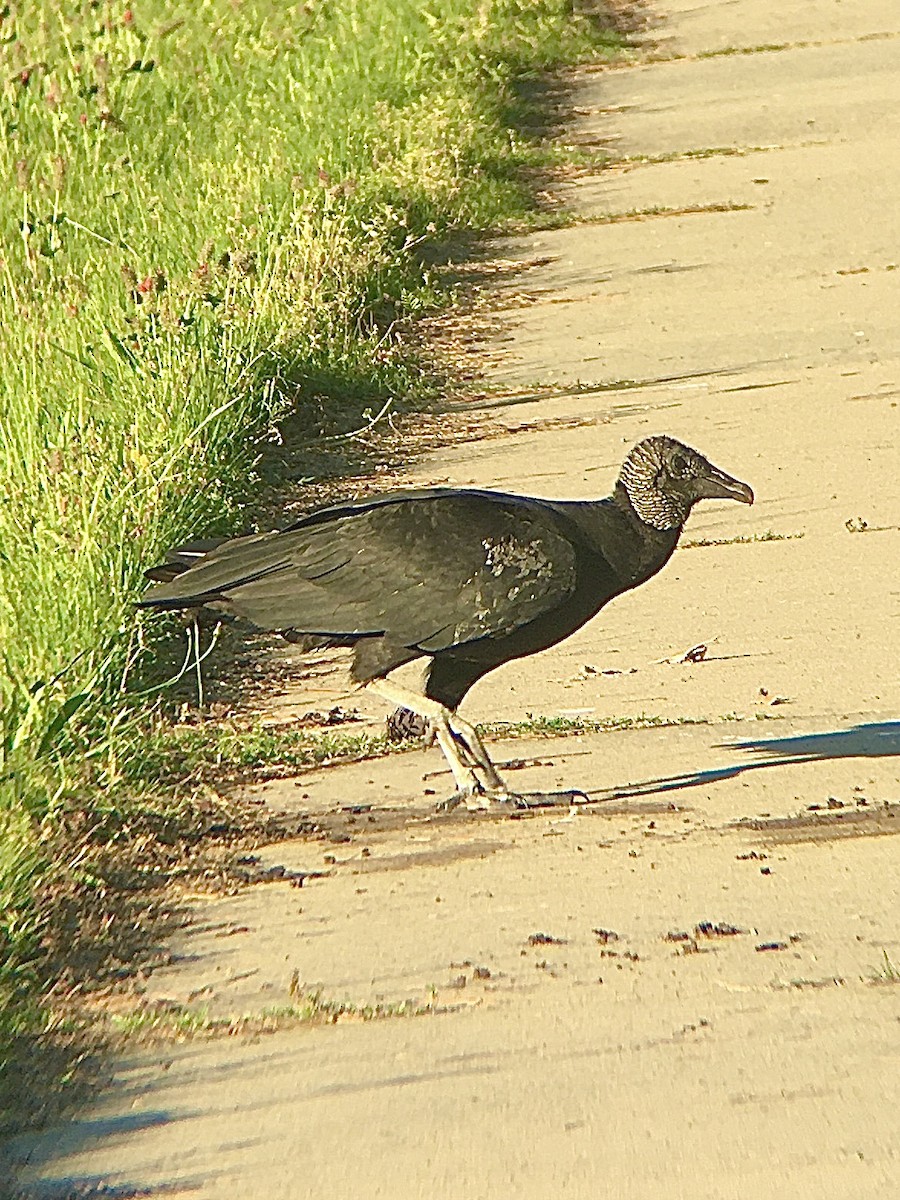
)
(877, 740)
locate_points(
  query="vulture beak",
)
(716, 485)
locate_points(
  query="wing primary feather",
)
(330, 571)
(169, 595)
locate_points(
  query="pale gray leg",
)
(447, 729)
(471, 739)
(465, 752)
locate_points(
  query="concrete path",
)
(687, 990)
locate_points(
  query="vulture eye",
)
(680, 466)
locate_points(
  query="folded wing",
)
(429, 571)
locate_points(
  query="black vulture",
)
(466, 578)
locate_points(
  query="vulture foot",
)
(481, 799)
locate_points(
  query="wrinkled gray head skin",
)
(664, 479)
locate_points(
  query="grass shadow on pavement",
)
(94, 1188)
(42, 1149)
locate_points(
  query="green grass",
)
(741, 540)
(178, 757)
(887, 972)
(550, 727)
(700, 153)
(212, 217)
(175, 755)
(178, 1022)
(762, 48)
(562, 220)
(661, 210)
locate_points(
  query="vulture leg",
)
(462, 747)
(465, 752)
(471, 740)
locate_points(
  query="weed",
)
(567, 726)
(176, 1022)
(562, 220)
(762, 48)
(887, 972)
(213, 752)
(740, 540)
(179, 754)
(644, 214)
(699, 153)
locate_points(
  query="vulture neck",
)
(632, 548)
(655, 519)
(650, 547)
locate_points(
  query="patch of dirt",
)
(882, 820)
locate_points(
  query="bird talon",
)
(451, 802)
(475, 800)
(480, 799)
(510, 800)
(568, 798)
(478, 802)
(503, 800)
